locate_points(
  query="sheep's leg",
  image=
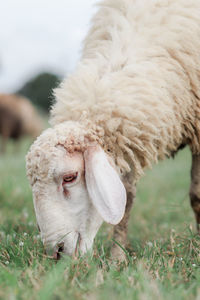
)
(120, 230)
(195, 188)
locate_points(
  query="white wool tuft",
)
(137, 86)
(136, 94)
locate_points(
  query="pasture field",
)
(163, 253)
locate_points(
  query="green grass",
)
(164, 250)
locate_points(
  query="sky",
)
(40, 35)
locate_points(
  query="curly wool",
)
(43, 149)
(137, 87)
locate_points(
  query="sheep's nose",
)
(59, 249)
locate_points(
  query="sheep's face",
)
(65, 215)
(73, 193)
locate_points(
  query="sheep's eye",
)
(70, 178)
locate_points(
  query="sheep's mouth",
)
(61, 247)
(57, 255)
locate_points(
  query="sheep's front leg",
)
(120, 230)
(195, 188)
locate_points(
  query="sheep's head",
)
(75, 188)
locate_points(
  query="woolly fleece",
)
(136, 90)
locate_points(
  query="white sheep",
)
(133, 99)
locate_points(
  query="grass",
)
(163, 250)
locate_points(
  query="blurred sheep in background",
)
(18, 118)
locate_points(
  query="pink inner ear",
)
(105, 188)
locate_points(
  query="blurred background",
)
(40, 43)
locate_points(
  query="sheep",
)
(133, 100)
(17, 118)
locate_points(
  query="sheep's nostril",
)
(60, 248)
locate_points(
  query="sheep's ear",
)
(105, 188)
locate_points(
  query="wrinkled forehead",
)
(66, 162)
(53, 150)
(47, 162)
